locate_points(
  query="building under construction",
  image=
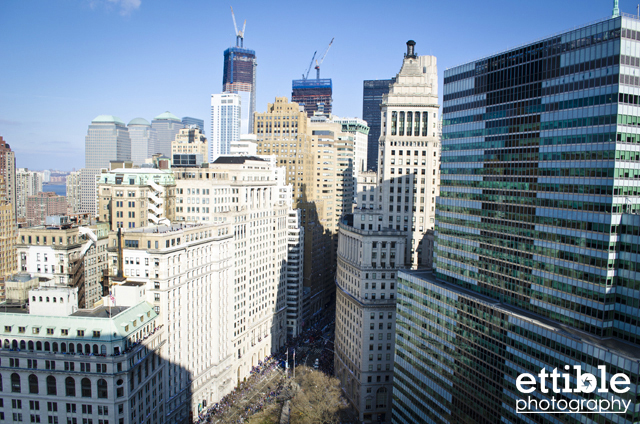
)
(313, 94)
(239, 76)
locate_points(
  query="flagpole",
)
(294, 364)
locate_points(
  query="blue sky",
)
(63, 62)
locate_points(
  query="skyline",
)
(140, 58)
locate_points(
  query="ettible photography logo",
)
(572, 401)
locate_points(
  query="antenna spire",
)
(616, 10)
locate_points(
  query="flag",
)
(113, 299)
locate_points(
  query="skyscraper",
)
(187, 121)
(166, 125)
(386, 233)
(239, 76)
(107, 140)
(318, 156)
(143, 140)
(373, 90)
(315, 95)
(8, 172)
(226, 110)
(533, 235)
(8, 256)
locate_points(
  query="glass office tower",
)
(372, 93)
(539, 178)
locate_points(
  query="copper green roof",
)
(107, 119)
(167, 116)
(139, 121)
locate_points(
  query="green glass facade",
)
(540, 158)
(458, 355)
(540, 170)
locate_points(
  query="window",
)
(33, 384)
(70, 386)
(85, 387)
(103, 392)
(15, 383)
(51, 386)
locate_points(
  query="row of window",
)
(52, 387)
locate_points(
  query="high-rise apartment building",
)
(8, 173)
(136, 197)
(190, 141)
(373, 91)
(144, 139)
(533, 234)
(188, 121)
(239, 76)
(44, 204)
(67, 254)
(73, 192)
(226, 113)
(28, 183)
(167, 126)
(107, 140)
(385, 234)
(314, 95)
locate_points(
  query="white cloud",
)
(126, 6)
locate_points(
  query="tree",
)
(319, 400)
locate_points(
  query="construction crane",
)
(304, 77)
(239, 34)
(322, 60)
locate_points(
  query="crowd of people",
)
(311, 338)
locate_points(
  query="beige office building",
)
(190, 141)
(136, 197)
(318, 157)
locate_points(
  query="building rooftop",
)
(98, 324)
(100, 312)
(161, 229)
(139, 121)
(612, 344)
(167, 116)
(237, 159)
(20, 278)
(107, 119)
